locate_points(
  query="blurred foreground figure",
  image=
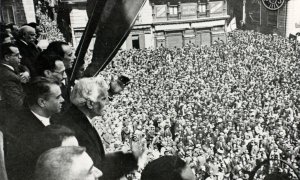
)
(168, 168)
(89, 98)
(3, 174)
(66, 163)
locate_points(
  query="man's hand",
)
(25, 77)
(137, 149)
(116, 87)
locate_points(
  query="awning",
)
(217, 32)
(189, 35)
(172, 27)
(208, 24)
(160, 38)
(73, 1)
(142, 27)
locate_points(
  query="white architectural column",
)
(29, 10)
(293, 17)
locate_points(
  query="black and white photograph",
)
(150, 90)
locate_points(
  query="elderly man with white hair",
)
(89, 98)
(28, 49)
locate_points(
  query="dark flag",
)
(112, 20)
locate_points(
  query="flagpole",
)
(87, 37)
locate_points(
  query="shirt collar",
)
(90, 120)
(24, 42)
(44, 120)
(10, 67)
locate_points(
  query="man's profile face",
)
(69, 56)
(54, 100)
(58, 74)
(14, 58)
(102, 101)
(83, 168)
(29, 35)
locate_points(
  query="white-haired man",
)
(89, 98)
(28, 50)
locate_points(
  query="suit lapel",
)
(30, 122)
(5, 68)
(87, 128)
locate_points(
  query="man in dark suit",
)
(89, 98)
(44, 99)
(51, 65)
(11, 90)
(65, 52)
(27, 47)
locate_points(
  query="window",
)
(272, 18)
(8, 14)
(161, 11)
(173, 10)
(254, 11)
(202, 8)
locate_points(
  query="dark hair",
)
(5, 49)
(50, 137)
(38, 87)
(46, 61)
(2, 27)
(164, 168)
(3, 36)
(32, 24)
(56, 47)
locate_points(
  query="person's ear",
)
(6, 57)
(47, 73)
(89, 104)
(41, 102)
(24, 35)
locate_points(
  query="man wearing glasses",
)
(51, 66)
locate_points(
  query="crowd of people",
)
(230, 111)
(224, 109)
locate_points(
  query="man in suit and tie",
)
(66, 54)
(11, 90)
(43, 97)
(51, 65)
(89, 98)
(27, 47)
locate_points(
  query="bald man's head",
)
(27, 34)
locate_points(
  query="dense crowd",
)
(224, 109)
